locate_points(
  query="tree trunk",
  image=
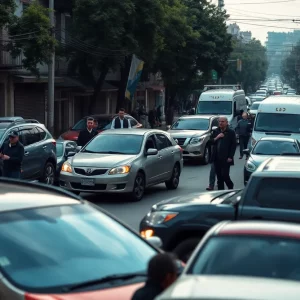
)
(98, 88)
(125, 69)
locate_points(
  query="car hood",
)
(189, 200)
(253, 111)
(186, 133)
(258, 159)
(100, 160)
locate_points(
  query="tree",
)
(254, 64)
(290, 69)
(7, 8)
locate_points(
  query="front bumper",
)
(193, 151)
(247, 175)
(122, 183)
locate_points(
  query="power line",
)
(264, 14)
(263, 20)
(269, 26)
(267, 2)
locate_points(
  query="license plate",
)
(88, 182)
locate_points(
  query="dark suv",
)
(40, 148)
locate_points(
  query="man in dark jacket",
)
(120, 121)
(224, 146)
(243, 129)
(87, 134)
(162, 272)
(12, 154)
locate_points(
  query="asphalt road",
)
(194, 178)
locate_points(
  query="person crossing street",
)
(87, 134)
(243, 129)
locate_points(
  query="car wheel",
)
(48, 176)
(173, 183)
(206, 156)
(184, 250)
(139, 187)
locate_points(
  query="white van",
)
(225, 102)
(277, 116)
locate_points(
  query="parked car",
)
(124, 161)
(104, 123)
(71, 248)
(249, 248)
(40, 149)
(193, 135)
(63, 148)
(266, 148)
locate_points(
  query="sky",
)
(261, 16)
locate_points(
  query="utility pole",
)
(51, 74)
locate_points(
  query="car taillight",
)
(54, 142)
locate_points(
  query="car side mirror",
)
(214, 128)
(246, 152)
(78, 148)
(169, 127)
(176, 141)
(70, 154)
(155, 241)
(151, 152)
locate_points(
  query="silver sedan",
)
(124, 161)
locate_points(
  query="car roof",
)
(19, 195)
(279, 229)
(202, 287)
(10, 119)
(132, 131)
(278, 138)
(198, 117)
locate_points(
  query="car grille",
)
(93, 173)
(181, 141)
(79, 186)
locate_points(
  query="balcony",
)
(9, 63)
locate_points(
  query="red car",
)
(104, 123)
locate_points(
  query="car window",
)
(151, 143)
(285, 196)
(59, 149)
(265, 147)
(81, 125)
(215, 122)
(133, 122)
(162, 141)
(42, 133)
(23, 133)
(32, 136)
(191, 124)
(61, 246)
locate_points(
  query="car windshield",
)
(4, 125)
(115, 144)
(59, 149)
(81, 125)
(191, 124)
(276, 122)
(49, 249)
(254, 106)
(269, 257)
(214, 108)
(274, 147)
(1, 133)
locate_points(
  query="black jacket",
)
(16, 154)
(118, 123)
(85, 136)
(148, 292)
(225, 147)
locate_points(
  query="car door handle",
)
(172, 151)
(44, 147)
(159, 157)
(26, 153)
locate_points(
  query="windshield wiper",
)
(111, 152)
(103, 280)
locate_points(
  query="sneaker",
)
(210, 188)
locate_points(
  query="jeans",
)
(222, 169)
(243, 144)
(212, 175)
(12, 174)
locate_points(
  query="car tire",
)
(139, 187)
(206, 156)
(184, 250)
(173, 183)
(48, 176)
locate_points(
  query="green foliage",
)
(31, 36)
(254, 65)
(7, 8)
(289, 67)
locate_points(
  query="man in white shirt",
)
(120, 121)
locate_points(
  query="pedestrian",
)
(212, 178)
(152, 117)
(87, 134)
(224, 146)
(243, 129)
(162, 272)
(12, 154)
(158, 115)
(120, 121)
(240, 116)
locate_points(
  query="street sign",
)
(214, 75)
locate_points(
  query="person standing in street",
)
(152, 117)
(162, 272)
(243, 129)
(120, 121)
(212, 178)
(87, 134)
(12, 154)
(224, 146)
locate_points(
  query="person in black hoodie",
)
(224, 146)
(87, 134)
(12, 154)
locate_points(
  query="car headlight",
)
(119, 170)
(66, 167)
(253, 141)
(196, 140)
(160, 217)
(251, 167)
